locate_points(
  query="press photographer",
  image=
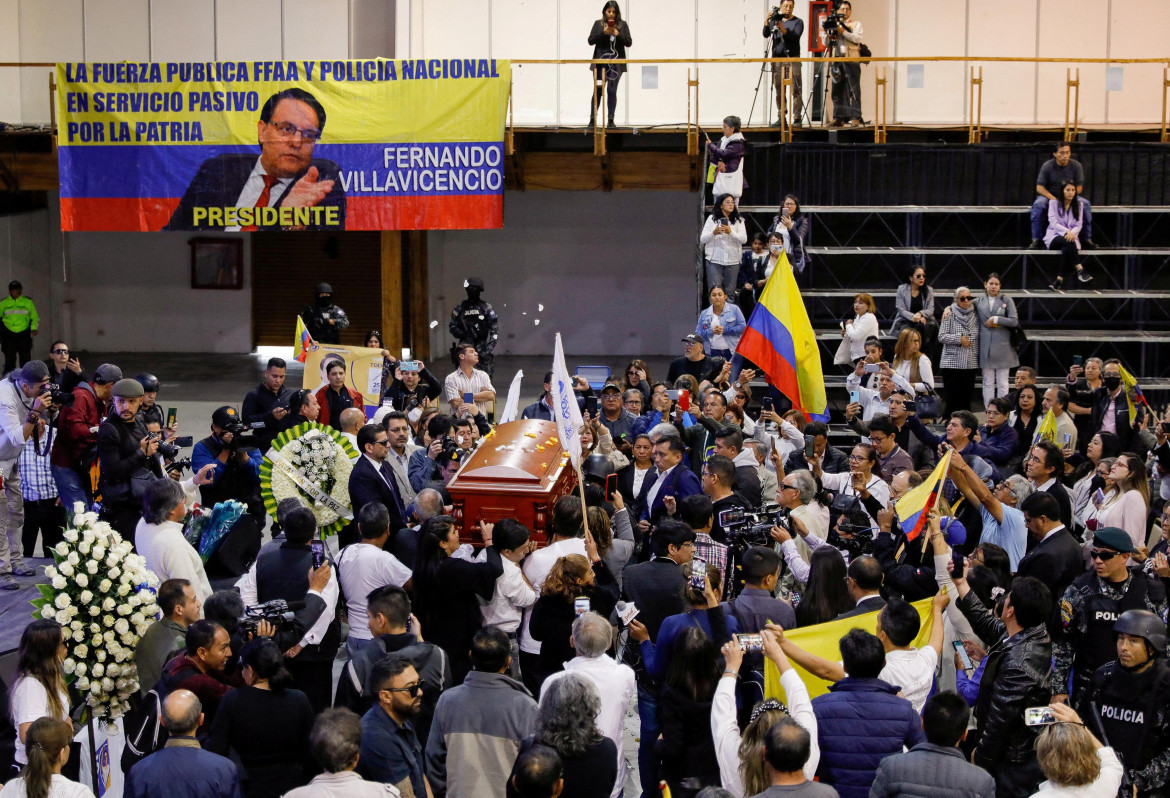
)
(77, 427)
(25, 403)
(236, 458)
(785, 30)
(125, 452)
(844, 41)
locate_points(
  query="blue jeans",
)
(1039, 217)
(69, 488)
(648, 732)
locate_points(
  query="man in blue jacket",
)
(862, 719)
(182, 768)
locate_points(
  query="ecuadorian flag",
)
(780, 340)
(301, 340)
(913, 507)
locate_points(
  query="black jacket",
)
(657, 588)
(404, 399)
(119, 457)
(257, 409)
(1130, 440)
(604, 48)
(553, 616)
(366, 485)
(1016, 677)
(835, 461)
(1056, 561)
(871, 604)
(912, 574)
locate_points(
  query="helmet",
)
(149, 382)
(1145, 624)
(598, 467)
(324, 288)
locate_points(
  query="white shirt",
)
(913, 671)
(30, 701)
(536, 568)
(657, 486)
(170, 556)
(457, 383)
(362, 568)
(254, 187)
(1105, 786)
(14, 408)
(871, 400)
(639, 478)
(843, 484)
(616, 686)
(250, 595)
(352, 439)
(59, 787)
(512, 596)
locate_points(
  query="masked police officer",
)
(1091, 606)
(1128, 703)
(324, 320)
(475, 322)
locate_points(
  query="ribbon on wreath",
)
(302, 482)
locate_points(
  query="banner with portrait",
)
(282, 145)
(363, 370)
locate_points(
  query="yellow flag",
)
(1047, 429)
(822, 640)
(1130, 383)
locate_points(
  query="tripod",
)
(756, 94)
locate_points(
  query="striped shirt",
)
(36, 477)
(458, 383)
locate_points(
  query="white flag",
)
(565, 410)
(512, 406)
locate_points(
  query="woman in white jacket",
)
(743, 772)
(854, 332)
(723, 239)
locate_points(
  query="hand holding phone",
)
(698, 575)
(318, 549)
(964, 657)
(468, 398)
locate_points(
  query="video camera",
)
(746, 528)
(277, 612)
(241, 437)
(776, 16)
(833, 21)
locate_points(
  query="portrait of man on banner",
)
(284, 188)
(363, 370)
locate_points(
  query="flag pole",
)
(584, 512)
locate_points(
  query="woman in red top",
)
(337, 396)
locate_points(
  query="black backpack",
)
(145, 732)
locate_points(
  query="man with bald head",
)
(352, 419)
(182, 768)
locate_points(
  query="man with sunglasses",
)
(230, 191)
(391, 752)
(1091, 606)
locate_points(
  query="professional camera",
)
(58, 396)
(832, 22)
(240, 437)
(776, 16)
(749, 528)
(277, 612)
(179, 466)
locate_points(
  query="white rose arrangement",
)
(322, 457)
(103, 596)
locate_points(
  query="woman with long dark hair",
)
(824, 595)
(796, 231)
(445, 589)
(47, 743)
(567, 723)
(265, 723)
(1065, 220)
(637, 375)
(915, 307)
(687, 748)
(610, 37)
(723, 237)
(572, 577)
(1024, 419)
(39, 690)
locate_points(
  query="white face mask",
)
(776, 247)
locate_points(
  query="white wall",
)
(614, 271)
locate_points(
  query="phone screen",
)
(318, 549)
(172, 416)
(672, 395)
(581, 605)
(698, 574)
(591, 405)
(964, 657)
(1039, 716)
(749, 642)
(766, 403)
(1078, 360)
(809, 446)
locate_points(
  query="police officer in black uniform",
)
(1128, 703)
(324, 320)
(475, 322)
(1091, 606)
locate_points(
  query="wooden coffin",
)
(519, 471)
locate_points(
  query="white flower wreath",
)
(322, 456)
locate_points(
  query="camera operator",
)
(77, 426)
(845, 42)
(267, 403)
(286, 572)
(125, 458)
(717, 479)
(25, 402)
(785, 29)
(236, 460)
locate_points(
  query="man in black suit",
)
(656, 587)
(863, 582)
(372, 480)
(1110, 402)
(227, 188)
(1056, 558)
(1045, 466)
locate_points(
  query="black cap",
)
(223, 416)
(15, 284)
(107, 374)
(693, 339)
(609, 386)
